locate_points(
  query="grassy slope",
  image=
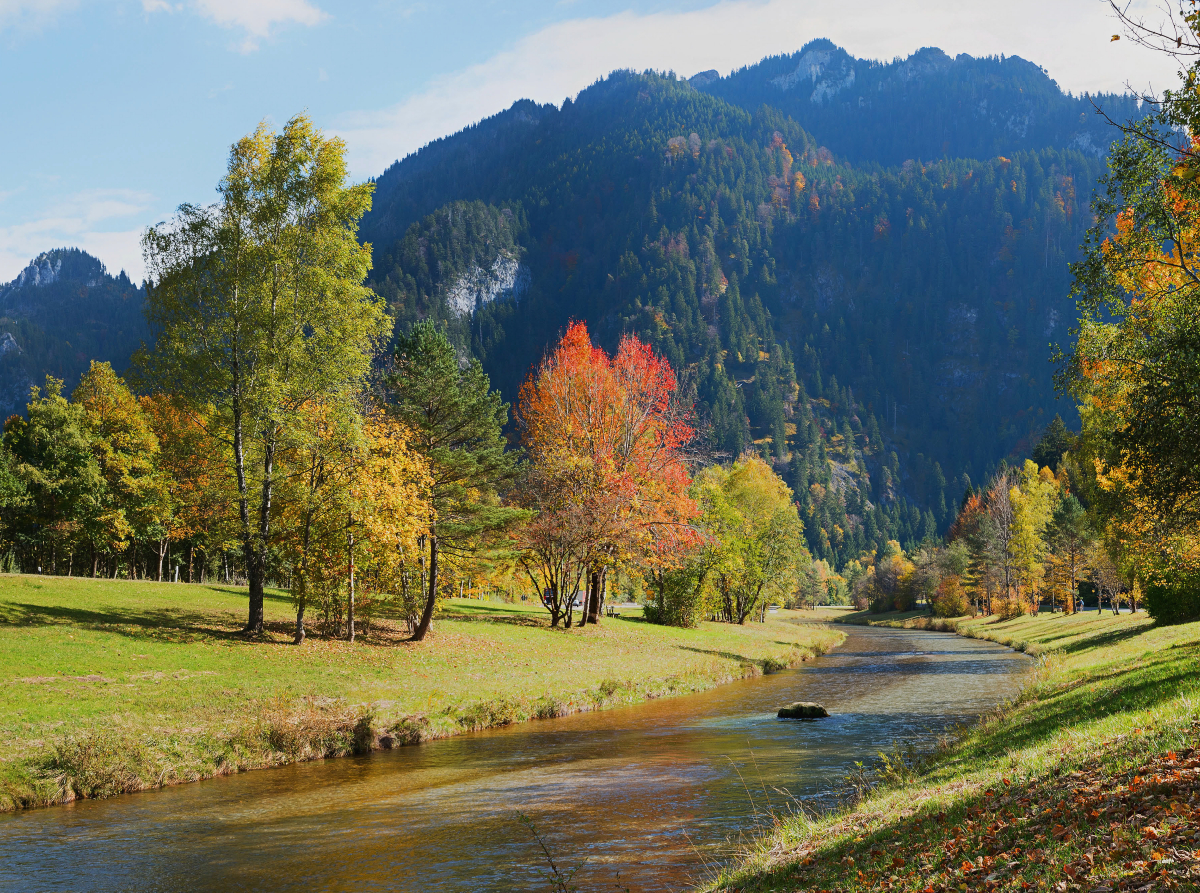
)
(110, 686)
(1089, 781)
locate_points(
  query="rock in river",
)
(802, 710)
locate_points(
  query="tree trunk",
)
(302, 601)
(350, 599)
(256, 559)
(191, 555)
(163, 546)
(254, 620)
(594, 597)
(589, 594)
(431, 595)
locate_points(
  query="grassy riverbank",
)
(112, 686)
(1090, 781)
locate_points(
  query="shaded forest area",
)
(881, 333)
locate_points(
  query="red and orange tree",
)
(607, 438)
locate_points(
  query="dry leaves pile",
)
(1086, 830)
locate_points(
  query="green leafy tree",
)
(758, 553)
(258, 310)
(54, 460)
(135, 502)
(456, 421)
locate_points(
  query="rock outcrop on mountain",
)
(60, 313)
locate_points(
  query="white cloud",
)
(1068, 37)
(258, 17)
(255, 18)
(98, 221)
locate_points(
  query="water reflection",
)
(649, 793)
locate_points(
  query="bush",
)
(1008, 608)
(905, 598)
(1177, 601)
(950, 599)
(489, 714)
(100, 764)
(678, 599)
(881, 603)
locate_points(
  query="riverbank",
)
(109, 687)
(1089, 781)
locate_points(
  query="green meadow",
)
(111, 686)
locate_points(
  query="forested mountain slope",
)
(927, 106)
(880, 330)
(60, 313)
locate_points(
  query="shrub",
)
(488, 714)
(678, 599)
(1008, 608)
(411, 730)
(310, 729)
(100, 764)
(905, 598)
(881, 603)
(548, 707)
(950, 599)
(1176, 601)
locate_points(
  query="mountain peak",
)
(927, 105)
(60, 263)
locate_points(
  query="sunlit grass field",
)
(1089, 781)
(92, 669)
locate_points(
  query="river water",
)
(651, 796)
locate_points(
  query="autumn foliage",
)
(607, 439)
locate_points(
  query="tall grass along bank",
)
(1089, 781)
(109, 687)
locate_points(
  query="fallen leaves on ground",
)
(1084, 830)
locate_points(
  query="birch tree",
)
(257, 309)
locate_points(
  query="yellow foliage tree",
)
(1032, 505)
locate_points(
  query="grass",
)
(1089, 781)
(112, 686)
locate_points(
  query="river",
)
(651, 796)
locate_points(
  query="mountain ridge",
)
(851, 104)
(877, 329)
(60, 312)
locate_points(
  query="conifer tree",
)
(456, 423)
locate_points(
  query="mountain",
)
(857, 266)
(57, 315)
(877, 323)
(928, 106)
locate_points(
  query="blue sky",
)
(116, 111)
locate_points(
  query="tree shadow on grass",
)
(727, 655)
(165, 625)
(1133, 686)
(270, 595)
(1112, 637)
(495, 614)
